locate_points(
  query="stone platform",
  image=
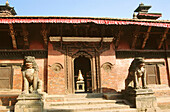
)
(142, 99)
(29, 103)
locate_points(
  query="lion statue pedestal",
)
(29, 103)
(136, 92)
(142, 99)
(30, 100)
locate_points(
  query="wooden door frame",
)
(95, 73)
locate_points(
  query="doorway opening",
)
(83, 63)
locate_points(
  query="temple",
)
(82, 55)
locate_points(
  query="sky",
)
(87, 8)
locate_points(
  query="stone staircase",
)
(162, 93)
(88, 102)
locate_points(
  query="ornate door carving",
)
(89, 50)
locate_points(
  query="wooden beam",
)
(135, 36)
(163, 37)
(156, 33)
(146, 37)
(81, 39)
(12, 33)
(118, 35)
(25, 35)
(44, 33)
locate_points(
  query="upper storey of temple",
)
(143, 13)
(6, 10)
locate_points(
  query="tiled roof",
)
(76, 20)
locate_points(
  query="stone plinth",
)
(29, 103)
(142, 99)
(80, 86)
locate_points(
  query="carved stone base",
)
(80, 86)
(29, 103)
(142, 99)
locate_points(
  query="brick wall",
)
(108, 78)
(56, 80)
(17, 78)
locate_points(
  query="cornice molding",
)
(19, 54)
(142, 53)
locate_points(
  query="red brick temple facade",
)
(102, 48)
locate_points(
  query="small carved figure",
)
(136, 72)
(32, 84)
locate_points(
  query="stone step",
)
(92, 107)
(115, 110)
(85, 95)
(86, 102)
(6, 108)
(82, 99)
(73, 97)
(110, 110)
(112, 96)
(89, 102)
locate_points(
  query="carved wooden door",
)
(88, 82)
(5, 77)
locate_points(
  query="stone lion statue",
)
(32, 84)
(136, 72)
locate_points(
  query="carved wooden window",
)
(5, 78)
(152, 74)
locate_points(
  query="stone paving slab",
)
(114, 110)
(90, 107)
(87, 102)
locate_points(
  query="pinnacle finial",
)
(80, 76)
(141, 3)
(7, 3)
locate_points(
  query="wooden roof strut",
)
(12, 33)
(146, 37)
(163, 37)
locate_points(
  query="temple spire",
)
(6, 10)
(142, 11)
(7, 3)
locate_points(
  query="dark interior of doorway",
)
(82, 63)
